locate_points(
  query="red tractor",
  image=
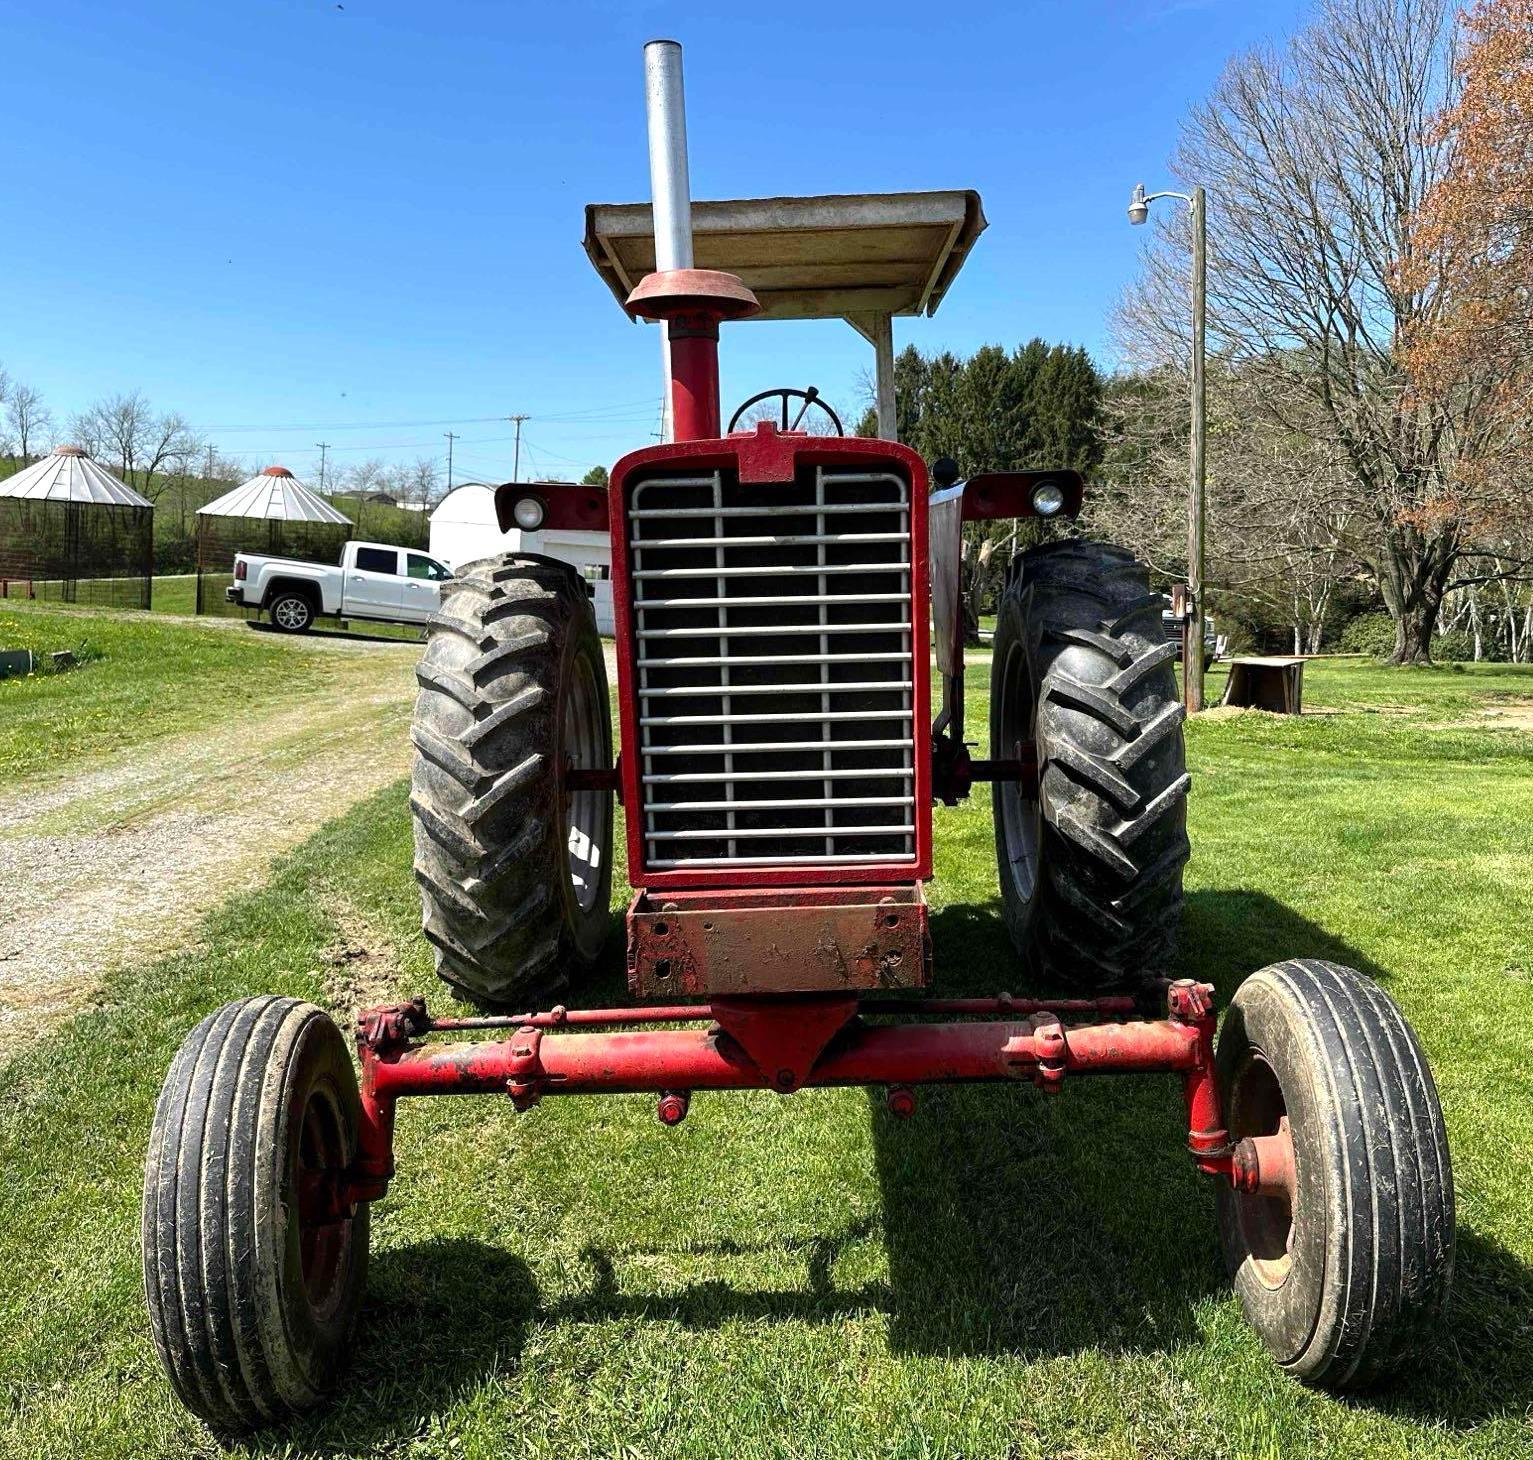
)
(773, 588)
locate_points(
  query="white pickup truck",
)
(374, 581)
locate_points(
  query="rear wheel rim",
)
(1257, 1108)
(1021, 822)
(292, 614)
(583, 744)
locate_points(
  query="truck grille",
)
(773, 649)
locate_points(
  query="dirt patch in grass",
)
(119, 862)
(1504, 717)
(361, 969)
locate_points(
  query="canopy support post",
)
(878, 331)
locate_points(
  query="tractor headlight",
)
(1048, 498)
(528, 513)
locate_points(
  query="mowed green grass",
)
(148, 679)
(174, 593)
(1003, 1275)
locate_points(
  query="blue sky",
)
(362, 224)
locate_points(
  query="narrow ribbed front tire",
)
(253, 1280)
(1349, 1275)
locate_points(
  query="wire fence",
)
(76, 552)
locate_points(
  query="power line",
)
(584, 413)
(544, 451)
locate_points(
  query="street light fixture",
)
(1192, 654)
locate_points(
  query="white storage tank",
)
(463, 527)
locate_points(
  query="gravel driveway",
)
(118, 862)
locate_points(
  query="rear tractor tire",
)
(1344, 1269)
(253, 1273)
(515, 867)
(1090, 870)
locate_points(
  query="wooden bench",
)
(1266, 683)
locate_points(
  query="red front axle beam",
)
(783, 1044)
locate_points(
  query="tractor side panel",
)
(773, 662)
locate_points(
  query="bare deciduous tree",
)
(148, 448)
(27, 416)
(1317, 160)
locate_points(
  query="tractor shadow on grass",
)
(1032, 1224)
(1479, 1363)
(1041, 1225)
(441, 1317)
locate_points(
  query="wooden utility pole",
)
(324, 451)
(516, 462)
(451, 437)
(1192, 659)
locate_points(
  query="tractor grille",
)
(775, 669)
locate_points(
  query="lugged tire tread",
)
(484, 788)
(1112, 778)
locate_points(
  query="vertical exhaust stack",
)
(670, 187)
(690, 302)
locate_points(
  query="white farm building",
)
(463, 527)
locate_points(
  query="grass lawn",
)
(1003, 1275)
(149, 678)
(174, 593)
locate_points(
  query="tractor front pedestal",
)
(786, 1043)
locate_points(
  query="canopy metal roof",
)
(841, 256)
(274, 493)
(69, 475)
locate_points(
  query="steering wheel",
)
(810, 397)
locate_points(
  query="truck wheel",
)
(292, 613)
(515, 868)
(1348, 1265)
(1091, 865)
(253, 1277)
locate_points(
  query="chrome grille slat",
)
(790, 539)
(782, 571)
(770, 719)
(798, 833)
(756, 631)
(775, 601)
(779, 747)
(686, 691)
(699, 661)
(661, 778)
(705, 863)
(771, 576)
(810, 803)
(640, 515)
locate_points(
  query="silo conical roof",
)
(276, 494)
(67, 474)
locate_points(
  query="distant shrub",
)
(1455, 647)
(1369, 633)
(1374, 633)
